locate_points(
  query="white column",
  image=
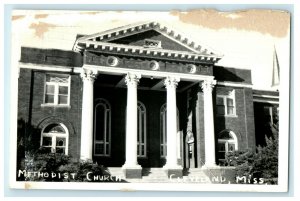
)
(171, 84)
(86, 146)
(209, 131)
(131, 122)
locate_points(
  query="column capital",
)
(88, 75)
(132, 79)
(171, 82)
(207, 85)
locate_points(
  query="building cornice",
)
(46, 67)
(131, 50)
(266, 101)
(231, 84)
(147, 73)
(131, 29)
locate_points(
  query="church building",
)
(139, 96)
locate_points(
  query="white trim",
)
(231, 95)
(265, 101)
(230, 84)
(141, 49)
(142, 118)
(265, 96)
(161, 27)
(107, 116)
(147, 73)
(46, 67)
(226, 142)
(54, 136)
(56, 90)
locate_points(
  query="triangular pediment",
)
(149, 37)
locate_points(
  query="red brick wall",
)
(41, 115)
(243, 124)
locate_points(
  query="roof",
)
(104, 41)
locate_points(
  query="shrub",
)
(261, 163)
(59, 168)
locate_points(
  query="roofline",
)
(151, 24)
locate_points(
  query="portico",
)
(111, 55)
(131, 78)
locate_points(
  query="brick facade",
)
(32, 111)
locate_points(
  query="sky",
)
(246, 39)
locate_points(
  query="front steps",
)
(159, 175)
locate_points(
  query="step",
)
(115, 171)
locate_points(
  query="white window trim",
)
(54, 136)
(141, 119)
(102, 101)
(56, 87)
(226, 142)
(231, 95)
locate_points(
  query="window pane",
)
(63, 90)
(229, 102)
(100, 122)
(99, 148)
(143, 150)
(230, 110)
(60, 150)
(47, 141)
(220, 109)
(220, 101)
(60, 141)
(62, 99)
(107, 149)
(139, 126)
(143, 127)
(49, 99)
(231, 147)
(49, 89)
(107, 126)
(58, 78)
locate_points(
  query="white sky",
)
(250, 48)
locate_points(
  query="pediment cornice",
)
(102, 41)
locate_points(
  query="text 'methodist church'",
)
(140, 96)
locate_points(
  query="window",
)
(142, 136)
(102, 130)
(55, 138)
(57, 90)
(163, 129)
(227, 142)
(226, 104)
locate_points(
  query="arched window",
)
(55, 138)
(163, 129)
(227, 142)
(102, 128)
(142, 131)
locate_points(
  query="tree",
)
(261, 163)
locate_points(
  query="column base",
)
(173, 171)
(132, 171)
